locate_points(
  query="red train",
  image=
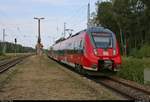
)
(92, 49)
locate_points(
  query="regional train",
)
(92, 49)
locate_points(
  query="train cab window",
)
(80, 47)
(103, 41)
(81, 44)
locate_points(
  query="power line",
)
(76, 12)
(73, 17)
(64, 29)
(88, 14)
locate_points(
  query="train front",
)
(105, 49)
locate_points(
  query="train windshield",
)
(103, 41)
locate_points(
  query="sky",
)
(17, 18)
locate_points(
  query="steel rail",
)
(124, 82)
(124, 88)
(8, 64)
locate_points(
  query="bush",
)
(133, 69)
(1, 53)
(10, 48)
(133, 52)
(142, 52)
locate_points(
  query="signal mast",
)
(88, 16)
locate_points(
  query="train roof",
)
(90, 30)
(98, 29)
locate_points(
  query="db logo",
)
(105, 53)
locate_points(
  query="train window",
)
(81, 44)
(76, 45)
(69, 45)
(103, 41)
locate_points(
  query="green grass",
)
(2, 56)
(133, 69)
(7, 77)
(10, 55)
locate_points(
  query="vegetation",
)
(142, 52)
(129, 19)
(133, 69)
(10, 48)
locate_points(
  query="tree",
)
(129, 19)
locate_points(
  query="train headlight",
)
(95, 52)
(114, 52)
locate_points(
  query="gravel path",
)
(39, 78)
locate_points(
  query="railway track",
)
(5, 65)
(124, 87)
(130, 89)
(3, 59)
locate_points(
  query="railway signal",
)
(15, 40)
(15, 46)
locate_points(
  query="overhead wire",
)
(10, 27)
(75, 17)
(76, 24)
